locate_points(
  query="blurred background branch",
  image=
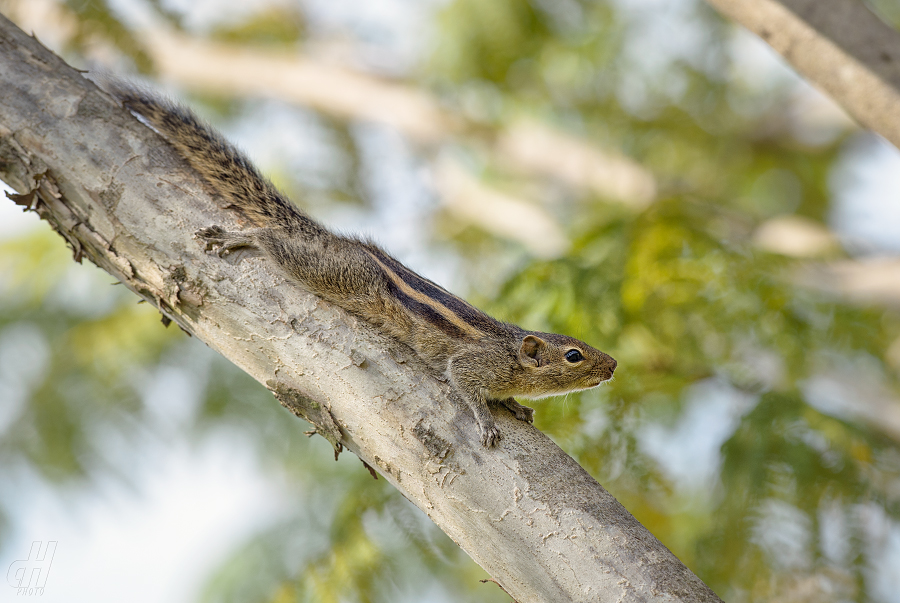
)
(840, 46)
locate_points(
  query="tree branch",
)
(839, 46)
(526, 511)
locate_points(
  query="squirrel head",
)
(558, 364)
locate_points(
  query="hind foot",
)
(222, 242)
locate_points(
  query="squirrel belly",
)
(485, 360)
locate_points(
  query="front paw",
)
(490, 436)
(522, 413)
(525, 413)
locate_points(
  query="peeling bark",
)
(525, 511)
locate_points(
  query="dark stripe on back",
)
(466, 312)
(425, 311)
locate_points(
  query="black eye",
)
(574, 356)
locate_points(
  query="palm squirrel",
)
(484, 359)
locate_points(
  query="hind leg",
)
(223, 242)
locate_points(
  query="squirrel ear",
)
(530, 352)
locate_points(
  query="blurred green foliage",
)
(887, 10)
(676, 292)
(97, 19)
(66, 341)
(269, 28)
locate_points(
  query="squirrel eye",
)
(574, 356)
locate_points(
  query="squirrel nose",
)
(612, 365)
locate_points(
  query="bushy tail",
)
(222, 165)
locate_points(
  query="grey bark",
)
(837, 45)
(526, 511)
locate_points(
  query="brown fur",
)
(486, 360)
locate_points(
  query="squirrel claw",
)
(525, 414)
(209, 231)
(212, 238)
(219, 241)
(522, 413)
(490, 436)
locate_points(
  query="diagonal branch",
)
(526, 511)
(839, 46)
